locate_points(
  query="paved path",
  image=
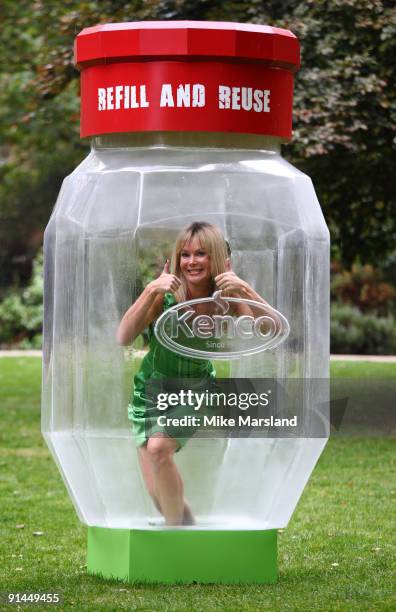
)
(20, 353)
(379, 358)
(382, 358)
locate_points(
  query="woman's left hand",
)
(230, 282)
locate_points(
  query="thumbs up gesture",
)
(166, 269)
(228, 281)
(166, 282)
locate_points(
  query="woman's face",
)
(195, 263)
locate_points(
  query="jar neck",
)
(209, 140)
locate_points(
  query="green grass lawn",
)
(362, 369)
(336, 553)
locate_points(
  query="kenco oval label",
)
(221, 335)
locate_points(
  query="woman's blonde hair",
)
(212, 240)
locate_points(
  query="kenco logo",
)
(222, 335)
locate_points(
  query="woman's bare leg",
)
(163, 480)
(188, 518)
(168, 485)
(146, 470)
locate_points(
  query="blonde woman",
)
(199, 266)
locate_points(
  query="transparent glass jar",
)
(116, 217)
(167, 153)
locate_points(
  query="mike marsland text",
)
(220, 421)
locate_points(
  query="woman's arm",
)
(139, 316)
(147, 307)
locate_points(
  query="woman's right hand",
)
(166, 282)
(147, 307)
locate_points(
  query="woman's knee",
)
(160, 450)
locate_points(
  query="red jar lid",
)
(186, 76)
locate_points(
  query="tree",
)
(345, 110)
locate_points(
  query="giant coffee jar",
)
(186, 121)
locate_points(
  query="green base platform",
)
(183, 555)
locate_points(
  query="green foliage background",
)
(344, 112)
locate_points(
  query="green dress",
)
(163, 366)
